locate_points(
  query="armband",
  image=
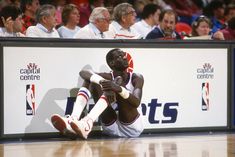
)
(95, 78)
(124, 93)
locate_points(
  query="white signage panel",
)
(184, 87)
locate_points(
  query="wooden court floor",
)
(173, 145)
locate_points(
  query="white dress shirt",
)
(40, 31)
(90, 31)
(4, 33)
(118, 32)
(142, 28)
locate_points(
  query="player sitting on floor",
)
(117, 88)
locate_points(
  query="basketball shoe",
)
(82, 127)
(62, 124)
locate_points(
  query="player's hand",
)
(108, 85)
(8, 24)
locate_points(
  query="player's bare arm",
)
(88, 74)
(132, 98)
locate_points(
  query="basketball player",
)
(117, 88)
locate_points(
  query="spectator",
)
(201, 29)
(139, 7)
(59, 5)
(29, 9)
(215, 11)
(85, 12)
(229, 12)
(229, 32)
(11, 21)
(166, 29)
(124, 17)
(46, 22)
(150, 18)
(99, 24)
(70, 19)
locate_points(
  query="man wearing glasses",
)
(124, 17)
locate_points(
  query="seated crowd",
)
(100, 19)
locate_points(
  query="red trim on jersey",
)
(122, 35)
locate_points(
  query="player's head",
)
(116, 59)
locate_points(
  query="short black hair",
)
(9, 11)
(213, 5)
(109, 56)
(149, 9)
(23, 4)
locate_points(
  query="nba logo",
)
(205, 96)
(30, 99)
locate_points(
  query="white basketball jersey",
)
(129, 86)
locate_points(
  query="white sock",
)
(99, 107)
(81, 101)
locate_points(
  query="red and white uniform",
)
(133, 129)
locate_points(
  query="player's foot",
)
(62, 124)
(82, 127)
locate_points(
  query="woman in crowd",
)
(70, 19)
(201, 29)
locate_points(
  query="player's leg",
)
(130, 121)
(83, 97)
(108, 115)
(61, 123)
(84, 126)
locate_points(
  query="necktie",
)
(102, 34)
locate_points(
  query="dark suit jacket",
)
(156, 33)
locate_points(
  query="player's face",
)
(120, 60)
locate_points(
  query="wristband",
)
(95, 78)
(124, 93)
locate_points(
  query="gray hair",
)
(121, 10)
(97, 13)
(44, 10)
